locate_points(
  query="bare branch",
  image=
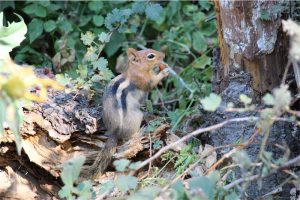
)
(255, 177)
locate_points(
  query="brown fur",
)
(140, 69)
(123, 124)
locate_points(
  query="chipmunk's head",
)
(144, 60)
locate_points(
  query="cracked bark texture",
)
(65, 126)
(251, 39)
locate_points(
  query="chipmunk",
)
(122, 100)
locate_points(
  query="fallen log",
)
(65, 126)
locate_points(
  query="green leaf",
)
(44, 3)
(106, 186)
(178, 190)
(36, 10)
(203, 183)
(49, 25)
(84, 20)
(201, 62)
(95, 6)
(212, 102)
(175, 115)
(269, 99)
(145, 193)
(121, 165)
(15, 124)
(245, 99)
(114, 44)
(66, 192)
(231, 196)
(96, 78)
(282, 98)
(199, 17)
(62, 79)
(153, 11)
(106, 73)
(199, 42)
(125, 183)
(189, 9)
(82, 71)
(205, 4)
(138, 7)
(100, 64)
(71, 170)
(116, 18)
(98, 20)
(85, 190)
(65, 26)
(54, 6)
(104, 37)
(207, 29)
(35, 29)
(11, 36)
(87, 38)
(135, 165)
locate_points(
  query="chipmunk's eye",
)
(151, 56)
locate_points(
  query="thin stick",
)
(287, 67)
(150, 141)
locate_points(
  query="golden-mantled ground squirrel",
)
(122, 100)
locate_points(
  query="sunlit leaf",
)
(153, 11)
(87, 38)
(212, 102)
(104, 37)
(71, 170)
(121, 165)
(125, 183)
(11, 36)
(85, 190)
(145, 193)
(100, 63)
(245, 99)
(135, 165)
(203, 183)
(268, 99)
(106, 186)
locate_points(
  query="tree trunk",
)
(251, 39)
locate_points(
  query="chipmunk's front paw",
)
(165, 72)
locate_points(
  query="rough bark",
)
(251, 59)
(65, 126)
(251, 39)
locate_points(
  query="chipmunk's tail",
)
(103, 158)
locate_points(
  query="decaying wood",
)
(252, 43)
(65, 126)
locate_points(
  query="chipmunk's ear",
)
(132, 55)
